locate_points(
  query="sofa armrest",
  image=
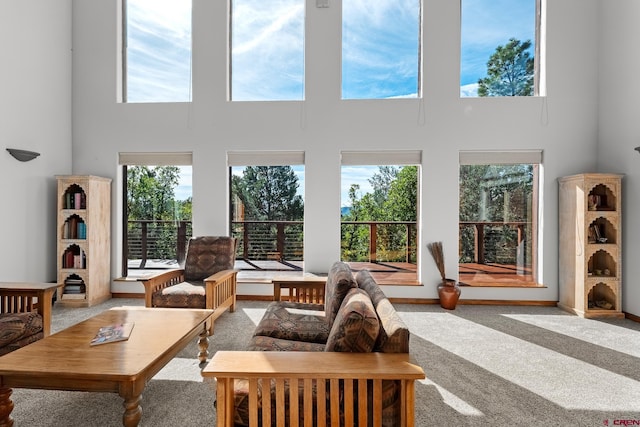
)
(221, 291)
(326, 375)
(161, 281)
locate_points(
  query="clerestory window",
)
(267, 50)
(502, 48)
(381, 45)
(156, 51)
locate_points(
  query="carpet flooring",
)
(485, 366)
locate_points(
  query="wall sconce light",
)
(22, 155)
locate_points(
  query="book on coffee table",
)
(113, 333)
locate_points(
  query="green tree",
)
(510, 71)
(151, 192)
(269, 193)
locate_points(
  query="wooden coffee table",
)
(66, 361)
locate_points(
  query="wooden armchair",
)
(25, 313)
(207, 280)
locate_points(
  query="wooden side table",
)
(307, 289)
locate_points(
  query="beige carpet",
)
(485, 366)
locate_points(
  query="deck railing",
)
(368, 241)
(162, 241)
(282, 241)
(499, 242)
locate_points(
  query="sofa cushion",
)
(262, 343)
(356, 326)
(294, 321)
(394, 333)
(19, 329)
(339, 281)
(185, 294)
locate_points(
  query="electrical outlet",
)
(322, 3)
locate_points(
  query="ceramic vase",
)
(449, 293)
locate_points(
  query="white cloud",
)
(469, 91)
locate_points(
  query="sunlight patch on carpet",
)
(454, 401)
(596, 332)
(255, 314)
(528, 365)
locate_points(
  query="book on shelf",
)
(112, 333)
(72, 289)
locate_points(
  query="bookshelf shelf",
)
(84, 242)
(590, 244)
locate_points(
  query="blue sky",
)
(380, 47)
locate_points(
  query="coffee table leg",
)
(6, 406)
(132, 412)
(203, 345)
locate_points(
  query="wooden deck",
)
(471, 274)
(385, 273)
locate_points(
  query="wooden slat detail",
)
(306, 376)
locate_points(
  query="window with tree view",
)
(379, 220)
(500, 48)
(267, 214)
(498, 224)
(157, 217)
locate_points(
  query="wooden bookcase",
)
(84, 240)
(590, 270)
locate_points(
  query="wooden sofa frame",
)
(25, 297)
(220, 290)
(343, 372)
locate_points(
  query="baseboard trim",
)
(127, 295)
(255, 297)
(632, 317)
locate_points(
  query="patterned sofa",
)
(356, 317)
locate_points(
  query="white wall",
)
(35, 114)
(619, 110)
(563, 124)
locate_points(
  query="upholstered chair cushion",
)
(339, 281)
(356, 326)
(185, 294)
(207, 255)
(394, 333)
